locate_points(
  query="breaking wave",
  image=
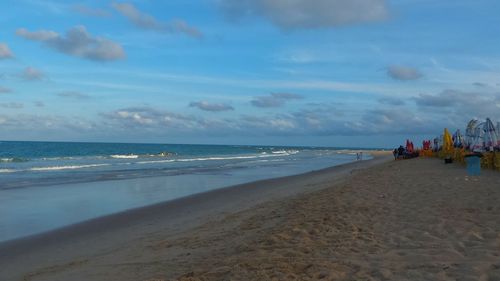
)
(13, 160)
(71, 167)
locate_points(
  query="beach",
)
(379, 219)
(49, 185)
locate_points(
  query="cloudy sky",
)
(293, 72)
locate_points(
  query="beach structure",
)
(481, 138)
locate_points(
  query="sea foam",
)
(72, 167)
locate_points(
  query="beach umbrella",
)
(470, 133)
(447, 142)
(490, 135)
(478, 142)
(458, 139)
(436, 144)
(427, 144)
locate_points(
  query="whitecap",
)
(7, 171)
(72, 167)
(126, 156)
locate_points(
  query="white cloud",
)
(399, 120)
(274, 99)
(296, 14)
(404, 73)
(42, 124)
(460, 105)
(213, 107)
(5, 52)
(313, 120)
(137, 17)
(41, 35)
(150, 117)
(77, 42)
(146, 21)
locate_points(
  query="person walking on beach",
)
(359, 156)
(395, 153)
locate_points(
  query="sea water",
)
(46, 185)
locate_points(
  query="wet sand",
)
(373, 220)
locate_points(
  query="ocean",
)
(46, 185)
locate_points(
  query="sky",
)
(364, 73)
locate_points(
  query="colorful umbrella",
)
(470, 133)
(490, 135)
(426, 145)
(478, 142)
(458, 139)
(409, 146)
(447, 142)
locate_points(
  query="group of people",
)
(402, 153)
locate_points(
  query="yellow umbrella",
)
(447, 142)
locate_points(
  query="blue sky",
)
(329, 72)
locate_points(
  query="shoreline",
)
(137, 213)
(177, 215)
(59, 205)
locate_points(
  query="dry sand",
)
(400, 220)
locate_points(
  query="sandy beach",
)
(372, 220)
